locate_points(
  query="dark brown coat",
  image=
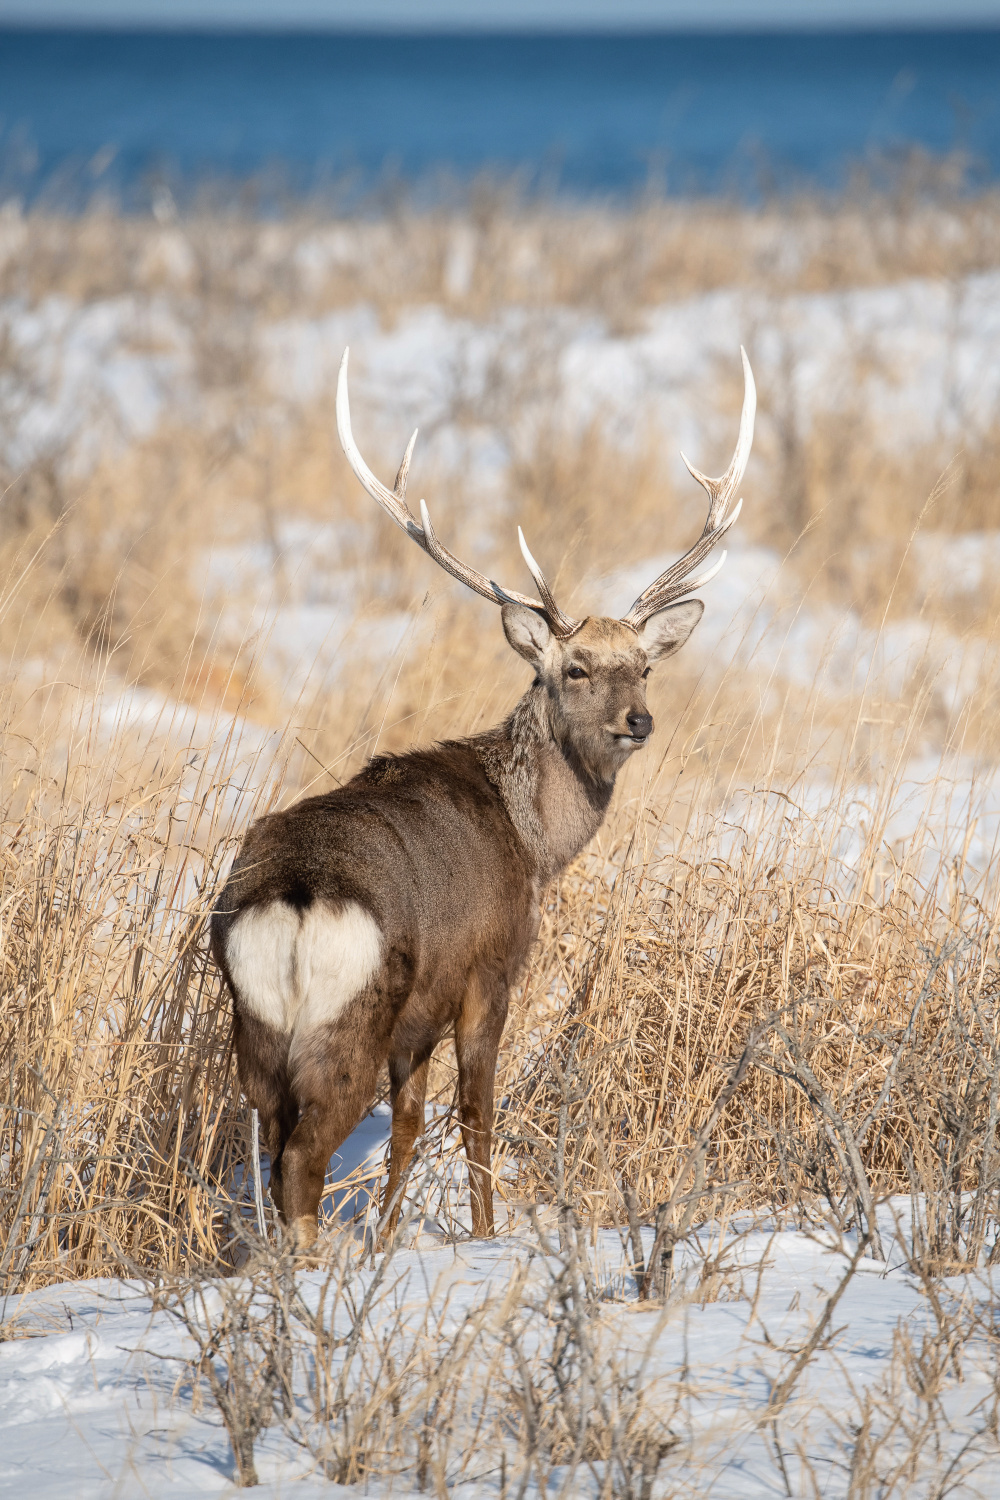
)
(358, 927)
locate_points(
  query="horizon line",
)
(551, 28)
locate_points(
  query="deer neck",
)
(554, 802)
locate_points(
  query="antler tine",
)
(393, 502)
(721, 490)
(402, 473)
(560, 624)
(677, 580)
(563, 625)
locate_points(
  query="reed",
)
(753, 871)
(726, 892)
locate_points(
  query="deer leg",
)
(275, 1130)
(408, 1088)
(477, 1041)
(262, 1058)
(335, 1084)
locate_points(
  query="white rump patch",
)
(298, 972)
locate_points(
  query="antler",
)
(393, 502)
(677, 580)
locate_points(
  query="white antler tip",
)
(697, 583)
(750, 385)
(533, 567)
(344, 419)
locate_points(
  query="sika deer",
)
(358, 927)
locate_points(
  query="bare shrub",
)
(865, 1003)
(116, 1044)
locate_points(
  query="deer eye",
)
(647, 672)
(576, 672)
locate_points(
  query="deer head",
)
(593, 671)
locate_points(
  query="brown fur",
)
(448, 849)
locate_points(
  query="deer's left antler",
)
(678, 580)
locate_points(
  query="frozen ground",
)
(918, 355)
(301, 606)
(87, 1409)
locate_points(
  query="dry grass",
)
(757, 993)
(497, 247)
(120, 571)
(706, 909)
(722, 894)
(875, 982)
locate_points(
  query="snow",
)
(90, 378)
(918, 356)
(931, 814)
(237, 758)
(956, 565)
(88, 1371)
(360, 1158)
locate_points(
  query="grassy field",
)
(759, 994)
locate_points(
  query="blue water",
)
(583, 114)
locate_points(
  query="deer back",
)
(419, 851)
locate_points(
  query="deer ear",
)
(666, 632)
(526, 631)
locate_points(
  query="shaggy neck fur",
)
(555, 802)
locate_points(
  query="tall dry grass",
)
(749, 876)
(723, 894)
(497, 245)
(129, 525)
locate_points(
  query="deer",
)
(360, 926)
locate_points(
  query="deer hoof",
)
(302, 1235)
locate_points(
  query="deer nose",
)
(640, 725)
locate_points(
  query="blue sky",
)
(520, 14)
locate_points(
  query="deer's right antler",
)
(393, 502)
